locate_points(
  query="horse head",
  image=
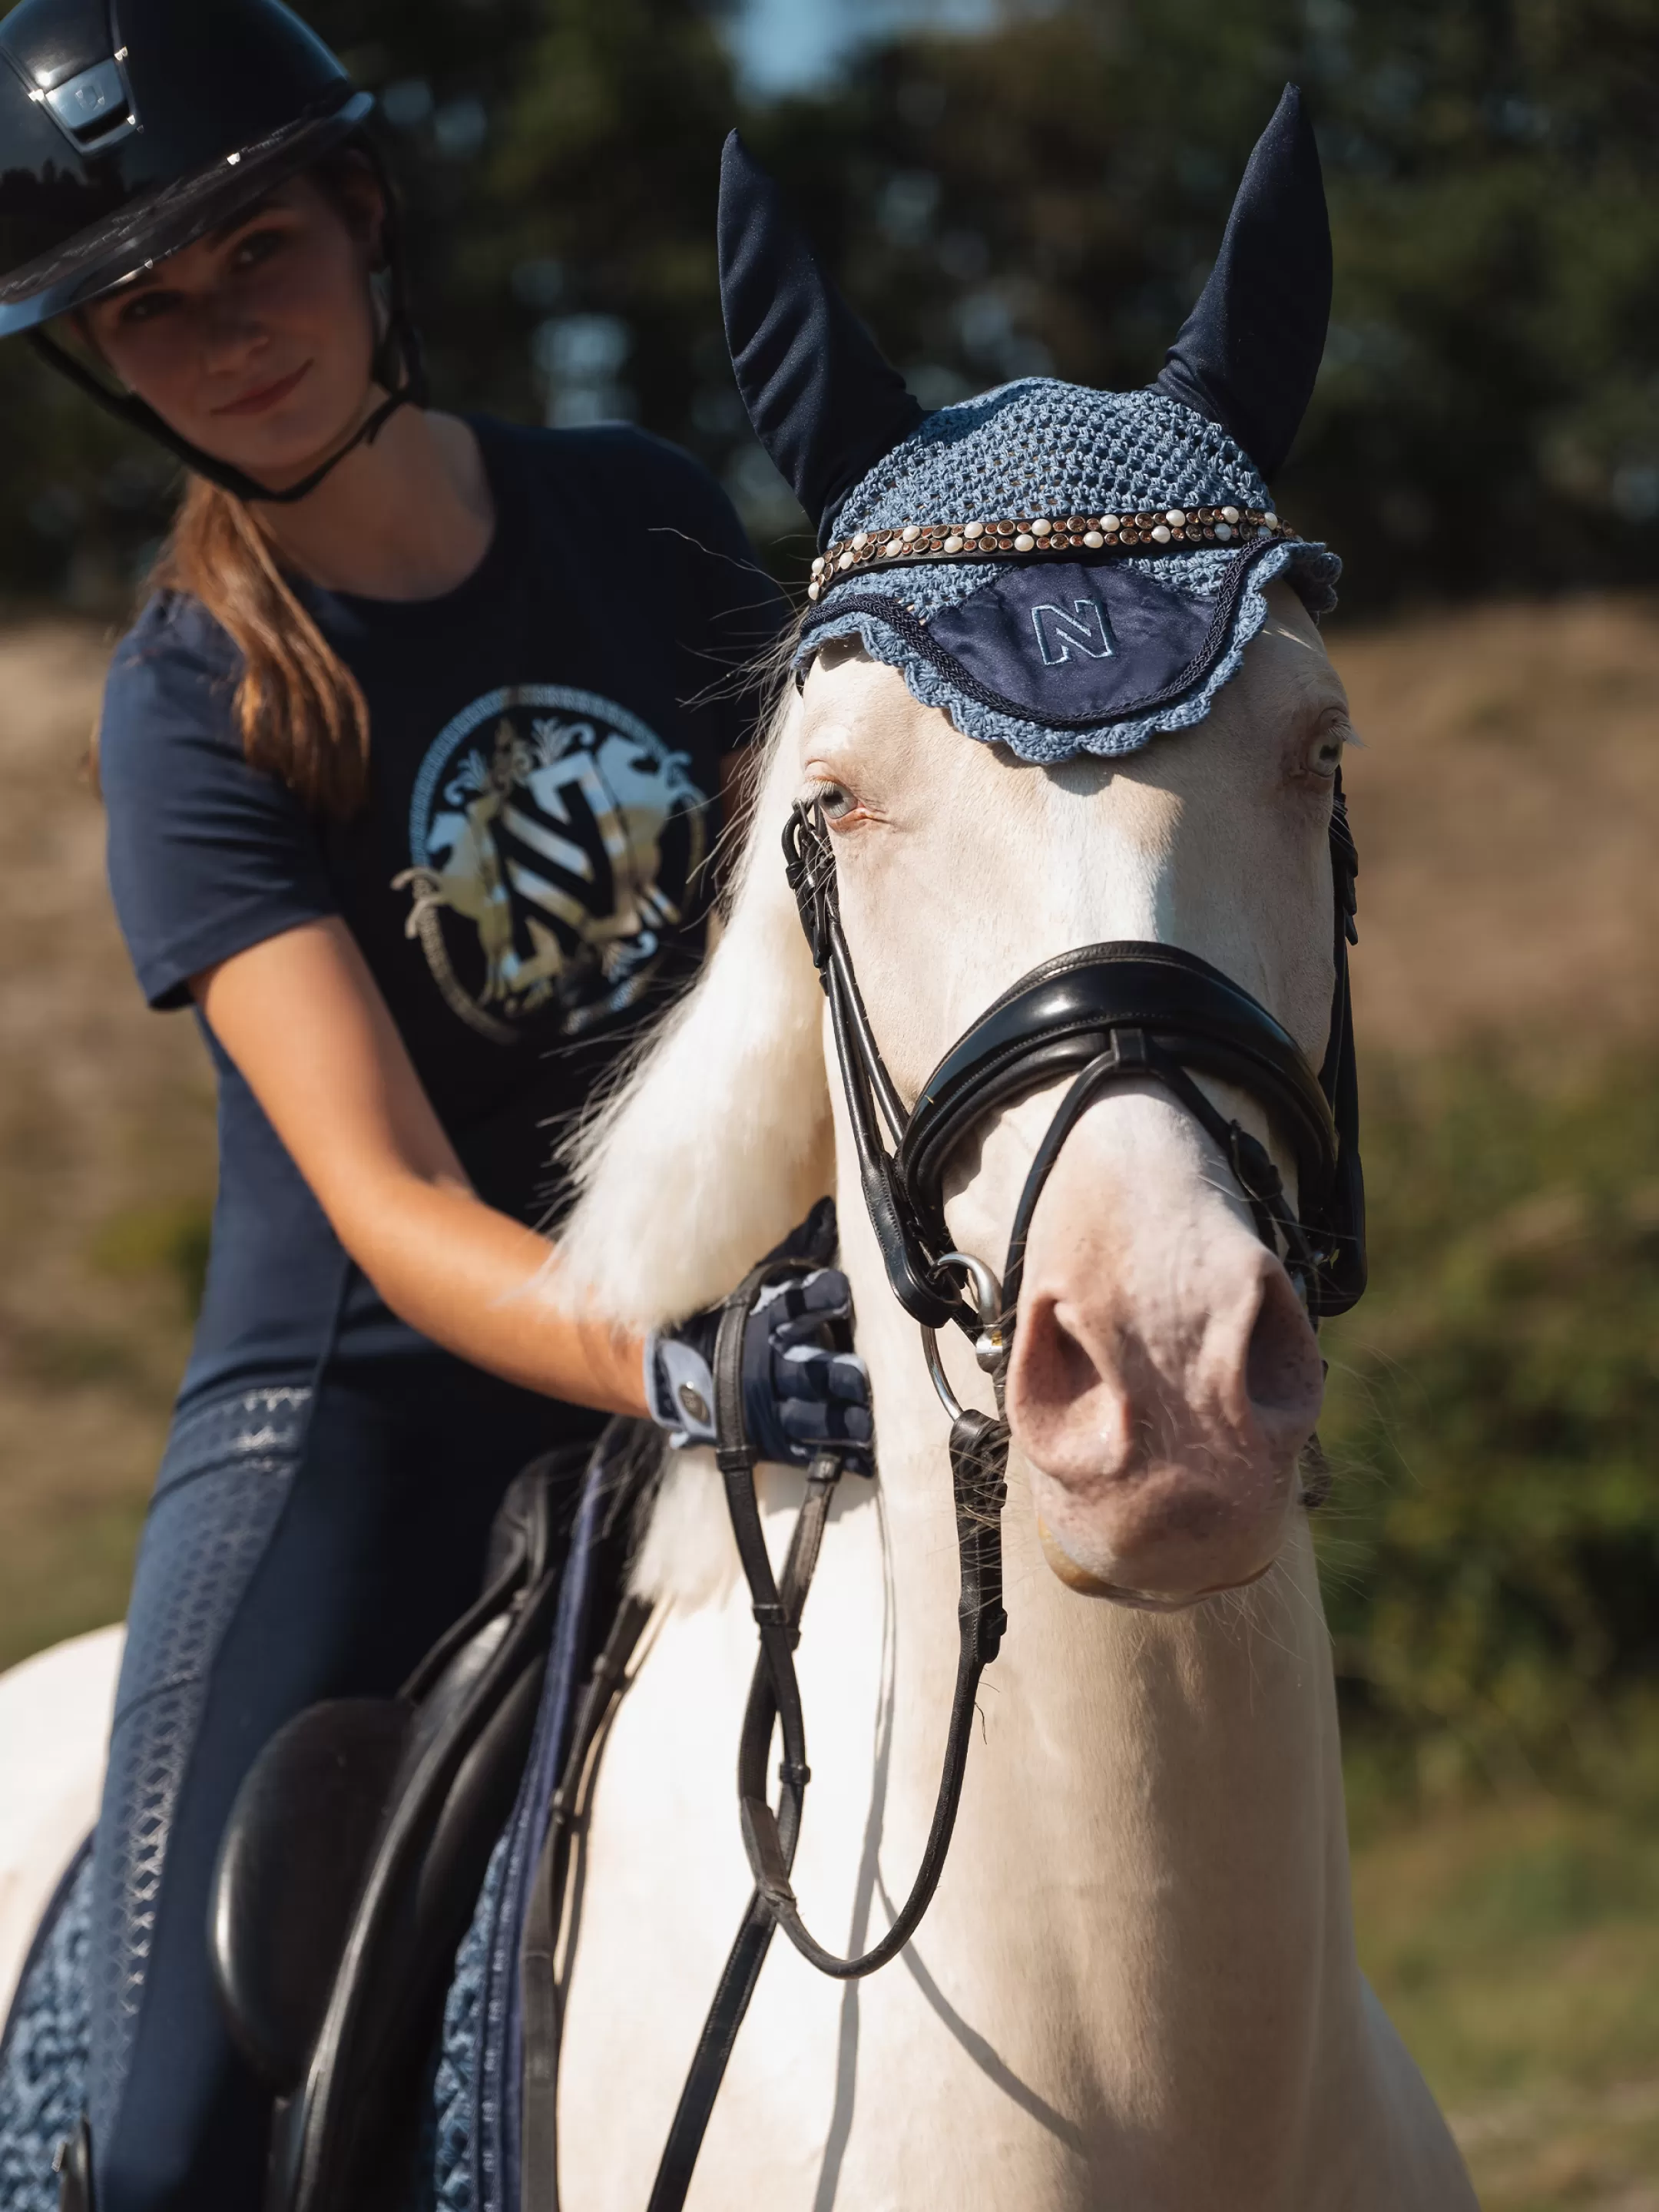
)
(1062, 686)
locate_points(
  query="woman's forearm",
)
(304, 1020)
(477, 1282)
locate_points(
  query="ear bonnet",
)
(1061, 570)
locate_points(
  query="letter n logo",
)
(1059, 634)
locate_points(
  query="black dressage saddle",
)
(351, 1864)
(350, 1868)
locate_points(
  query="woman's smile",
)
(267, 396)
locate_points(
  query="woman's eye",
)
(257, 246)
(146, 307)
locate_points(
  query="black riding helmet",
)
(130, 128)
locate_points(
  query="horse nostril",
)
(1061, 1369)
(1282, 1372)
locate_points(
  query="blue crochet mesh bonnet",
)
(1054, 657)
(1060, 570)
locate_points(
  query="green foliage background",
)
(1492, 1548)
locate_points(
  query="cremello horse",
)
(1137, 1984)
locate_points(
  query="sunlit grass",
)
(1515, 1945)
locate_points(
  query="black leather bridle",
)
(1104, 1015)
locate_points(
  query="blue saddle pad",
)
(44, 2059)
(469, 2153)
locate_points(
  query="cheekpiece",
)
(1110, 598)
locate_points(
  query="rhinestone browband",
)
(950, 541)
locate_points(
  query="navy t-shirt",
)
(529, 876)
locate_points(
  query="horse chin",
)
(1093, 1569)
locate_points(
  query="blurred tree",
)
(1048, 195)
(1051, 196)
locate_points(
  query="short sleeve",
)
(731, 616)
(207, 856)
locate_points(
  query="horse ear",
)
(1248, 355)
(823, 403)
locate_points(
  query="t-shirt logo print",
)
(555, 840)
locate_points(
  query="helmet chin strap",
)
(399, 365)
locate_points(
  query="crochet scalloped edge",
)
(1030, 741)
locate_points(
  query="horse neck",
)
(1154, 1804)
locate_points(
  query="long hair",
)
(298, 710)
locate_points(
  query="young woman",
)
(412, 763)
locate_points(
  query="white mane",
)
(720, 1140)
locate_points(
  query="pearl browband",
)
(1147, 532)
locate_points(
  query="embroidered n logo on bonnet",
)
(1061, 570)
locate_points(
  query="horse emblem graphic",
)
(555, 841)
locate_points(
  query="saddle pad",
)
(43, 2054)
(470, 2153)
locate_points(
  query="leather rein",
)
(1104, 1015)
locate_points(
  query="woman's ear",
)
(369, 213)
(358, 193)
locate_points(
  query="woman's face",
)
(256, 342)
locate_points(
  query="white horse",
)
(54, 1725)
(1137, 1983)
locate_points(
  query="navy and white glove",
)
(803, 1387)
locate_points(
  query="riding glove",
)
(805, 1389)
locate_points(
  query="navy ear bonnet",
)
(1082, 648)
(1059, 569)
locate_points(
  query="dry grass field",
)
(1507, 809)
(106, 1165)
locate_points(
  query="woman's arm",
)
(304, 1020)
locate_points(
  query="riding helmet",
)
(129, 129)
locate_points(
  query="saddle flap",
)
(290, 1867)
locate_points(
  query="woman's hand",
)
(804, 1388)
(304, 1020)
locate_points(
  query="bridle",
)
(1103, 1015)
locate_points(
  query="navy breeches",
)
(303, 1543)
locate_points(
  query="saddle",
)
(354, 1854)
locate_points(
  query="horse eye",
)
(836, 802)
(1327, 757)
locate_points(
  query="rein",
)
(978, 1457)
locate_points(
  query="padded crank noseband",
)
(1103, 1015)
